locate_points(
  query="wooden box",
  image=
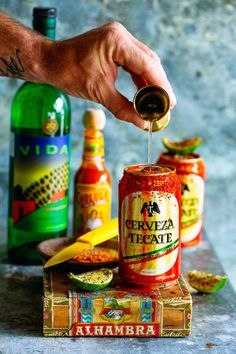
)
(114, 311)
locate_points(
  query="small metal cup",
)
(151, 103)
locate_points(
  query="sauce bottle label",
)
(94, 147)
(39, 198)
(92, 206)
(191, 206)
(150, 234)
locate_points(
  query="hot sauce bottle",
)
(92, 187)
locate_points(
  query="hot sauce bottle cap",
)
(94, 119)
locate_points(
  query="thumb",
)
(122, 108)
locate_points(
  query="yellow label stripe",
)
(191, 221)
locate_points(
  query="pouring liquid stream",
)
(152, 104)
(149, 160)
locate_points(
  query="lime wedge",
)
(183, 147)
(93, 280)
(206, 282)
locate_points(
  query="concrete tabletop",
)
(213, 326)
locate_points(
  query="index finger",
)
(147, 66)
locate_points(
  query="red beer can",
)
(192, 173)
(149, 225)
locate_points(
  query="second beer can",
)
(149, 225)
(191, 171)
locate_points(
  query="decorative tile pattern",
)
(115, 310)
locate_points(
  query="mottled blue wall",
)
(197, 43)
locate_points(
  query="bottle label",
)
(92, 206)
(150, 235)
(191, 206)
(94, 147)
(40, 183)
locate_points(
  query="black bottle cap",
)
(44, 21)
(44, 12)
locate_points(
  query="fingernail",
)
(146, 125)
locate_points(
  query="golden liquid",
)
(151, 106)
(149, 161)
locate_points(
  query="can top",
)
(149, 170)
(177, 158)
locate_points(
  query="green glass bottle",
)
(39, 161)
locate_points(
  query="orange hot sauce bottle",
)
(92, 187)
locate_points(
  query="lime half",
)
(206, 282)
(183, 147)
(93, 280)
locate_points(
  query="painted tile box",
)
(113, 311)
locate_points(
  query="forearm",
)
(22, 51)
(85, 66)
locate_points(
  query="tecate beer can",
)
(149, 225)
(191, 171)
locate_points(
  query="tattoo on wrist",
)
(12, 67)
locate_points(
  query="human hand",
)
(86, 66)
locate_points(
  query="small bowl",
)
(50, 247)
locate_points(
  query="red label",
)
(149, 237)
(110, 330)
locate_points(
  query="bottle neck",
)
(93, 146)
(46, 26)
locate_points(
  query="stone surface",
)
(196, 42)
(213, 323)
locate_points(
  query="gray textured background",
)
(196, 41)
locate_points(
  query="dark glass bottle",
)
(39, 161)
